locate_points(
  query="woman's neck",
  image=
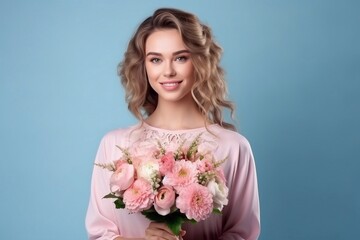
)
(176, 116)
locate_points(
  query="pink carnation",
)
(183, 174)
(205, 165)
(167, 163)
(196, 202)
(139, 196)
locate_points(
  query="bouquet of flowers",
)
(183, 183)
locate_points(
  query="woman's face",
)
(168, 65)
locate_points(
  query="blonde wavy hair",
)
(209, 90)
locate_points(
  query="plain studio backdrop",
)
(293, 69)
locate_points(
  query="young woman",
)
(176, 88)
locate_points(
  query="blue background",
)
(293, 69)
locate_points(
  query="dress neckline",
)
(198, 129)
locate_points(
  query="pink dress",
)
(240, 219)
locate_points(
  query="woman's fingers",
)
(182, 233)
(162, 226)
(159, 231)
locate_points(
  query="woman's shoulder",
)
(230, 137)
(120, 134)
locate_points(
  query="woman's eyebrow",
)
(175, 53)
(153, 53)
(181, 51)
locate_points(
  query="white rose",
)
(147, 169)
(220, 193)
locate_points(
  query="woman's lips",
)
(170, 85)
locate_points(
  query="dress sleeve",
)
(100, 218)
(241, 218)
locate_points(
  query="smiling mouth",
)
(170, 84)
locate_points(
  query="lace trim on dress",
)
(147, 136)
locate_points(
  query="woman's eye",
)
(181, 59)
(155, 60)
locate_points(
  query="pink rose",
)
(164, 200)
(139, 196)
(122, 178)
(195, 201)
(167, 163)
(118, 163)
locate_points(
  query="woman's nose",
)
(169, 70)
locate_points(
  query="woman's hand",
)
(160, 231)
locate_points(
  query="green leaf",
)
(174, 223)
(152, 215)
(119, 203)
(111, 195)
(173, 220)
(217, 211)
(192, 221)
